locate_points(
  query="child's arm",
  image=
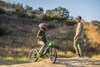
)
(39, 35)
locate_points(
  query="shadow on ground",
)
(11, 62)
(79, 62)
(60, 62)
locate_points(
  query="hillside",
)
(18, 32)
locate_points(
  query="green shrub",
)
(51, 25)
(33, 16)
(68, 22)
(21, 14)
(46, 18)
(2, 31)
(2, 11)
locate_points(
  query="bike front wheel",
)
(52, 54)
(33, 55)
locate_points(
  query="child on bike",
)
(42, 37)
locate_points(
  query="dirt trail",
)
(61, 62)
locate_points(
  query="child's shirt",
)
(41, 36)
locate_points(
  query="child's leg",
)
(42, 48)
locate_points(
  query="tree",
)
(48, 13)
(2, 3)
(40, 9)
(58, 12)
(71, 18)
(62, 12)
(2, 11)
(29, 10)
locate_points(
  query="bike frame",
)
(50, 44)
(50, 47)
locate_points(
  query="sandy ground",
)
(61, 62)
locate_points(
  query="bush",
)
(33, 16)
(2, 32)
(51, 25)
(21, 14)
(62, 20)
(2, 11)
(46, 18)
(68, 22)
(92, 33)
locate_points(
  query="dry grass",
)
(67, 54)
(92, 33)
(96, 57)
(14, 52)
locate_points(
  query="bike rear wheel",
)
(33, 55)
(52, 54)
